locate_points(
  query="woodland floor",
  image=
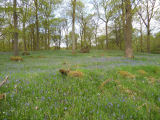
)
(37, 91)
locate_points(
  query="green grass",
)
(37, 91)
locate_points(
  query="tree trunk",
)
(106, 35)
(33, 37)
(31, 42)
(15, 17)
(13, 42)
(73, 27)
(117, 37)
(37, 26)
(90, 42)
(9, 42)
(128, 27)
(81, 35)
(96, 41)
(24, 36)
(48, 44)
(3, 44)
(60, 39)
(67, 45)
(123, 21)
(148, 38)
(120, 35)
(76, 43)
(84, 35)
(141, 39)
(45, 39)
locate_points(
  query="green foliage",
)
(101, 41)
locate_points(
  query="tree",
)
(73, 2)
(107, 6)
(25, 16)
(47, 10)
(15, 17)
(95, 23)
(66, 31)
(119, 20)
(147, 11)
(84, 20)
(37, 24)
(128, 29)
(139, 20)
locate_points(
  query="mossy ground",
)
(36, 90)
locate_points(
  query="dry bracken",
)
(104, 83)
(71, 73)
(126, 74)
(75, 74)
(16, 58)
(142, 72)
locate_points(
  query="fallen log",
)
(4, 81)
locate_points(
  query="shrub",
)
(41, 57)
(16, 58)
(84, 50)
(25, 53)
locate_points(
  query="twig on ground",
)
(4, 81)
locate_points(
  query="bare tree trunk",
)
(73, 27)
(15, 17)
(128, 27)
